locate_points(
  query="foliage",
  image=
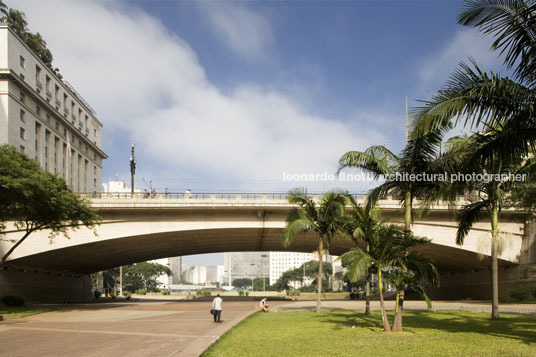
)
(166, 292)
(12, 300)
(97, 293)
(324, 218)
(143, 276)
(523, 292)
(293, 292)
(392, 251)
(260, 284)
(203, 292)
(242, 283)
(17, 22)
(445, 333)
(240, 292)
(35, 199)
(141, 292)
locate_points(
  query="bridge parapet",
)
(206, 199)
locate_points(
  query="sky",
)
(240, 96)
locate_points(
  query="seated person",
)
(263, 305)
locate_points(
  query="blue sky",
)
(228, 96)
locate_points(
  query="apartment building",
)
(44, 117)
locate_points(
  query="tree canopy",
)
(34, 199)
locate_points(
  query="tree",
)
(259, 284)
(391, 249)
(242, 283)
(324, 219)
(362, 224)
(417, 158)
(37, 200)
(483, 153)
(143, 276)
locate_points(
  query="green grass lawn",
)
(304, 333)
(16, 312)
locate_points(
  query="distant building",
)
(43, 116)
(118, 186)
(215, 274)
(281, 262)
(175, 265)
(196, 275)
(250, 265)
(163, 280)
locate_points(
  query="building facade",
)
(281, 262)
(215, 274)
(196, 275)
(246, 265)
(44, 117)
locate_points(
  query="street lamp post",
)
(132, 170)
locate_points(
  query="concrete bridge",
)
(137, 229)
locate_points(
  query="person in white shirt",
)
(264, 306)
(216, 305)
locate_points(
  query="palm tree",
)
(324, 218)
(486, 153)
(362, 224)
(477, 97)
(392, 249)
(418, 157)
(17, 21)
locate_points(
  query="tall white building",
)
(196, 275)
(44, 117)
(215, 274)
(280, 262)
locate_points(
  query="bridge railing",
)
(199, 195)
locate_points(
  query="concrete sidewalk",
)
(121, 329)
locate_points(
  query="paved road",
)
(120, 329)
(159, 328)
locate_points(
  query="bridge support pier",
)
(43, 286)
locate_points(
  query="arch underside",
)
(105, 254)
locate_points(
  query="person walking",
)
(216, 305)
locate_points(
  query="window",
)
(22, 133)
(95, 156)
(22, 96)
(57, 125)
(95, 170)
(38, 109)
(64, 132)
(47, 118)
(21, 61)
(21, 76)
(22, 148)
(22, 113)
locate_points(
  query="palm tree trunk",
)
(494, 262)
(319, 278)
(386, 326)
(397, 323)
(367, 296)
(399, 308)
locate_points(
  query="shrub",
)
(247, 293)
(240, 292)
(522, 293)
(166, 292)
(12, 300)
(354, 296)
(203, 292)
(293, 292)
(141, 292)
(126, 293)
(97, 293)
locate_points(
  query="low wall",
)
(39, 286)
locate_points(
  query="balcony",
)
(58, 103)
(73, 117)
(87, 131)
(49, 94)
(38, 84)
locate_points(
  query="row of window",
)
(69, 105)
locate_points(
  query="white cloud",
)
(436, 67)
(148, 82)
(244, 31)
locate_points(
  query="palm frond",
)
(470, 214)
